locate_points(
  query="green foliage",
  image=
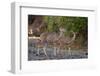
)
(76, 24)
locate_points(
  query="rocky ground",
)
(64, 54)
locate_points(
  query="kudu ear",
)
(61, 29)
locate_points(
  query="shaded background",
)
(40, 24)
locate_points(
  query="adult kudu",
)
(58, 40)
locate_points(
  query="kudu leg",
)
(69, 50)
(38, 51)
(44, 50)
(58, 50)
(54, 52)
